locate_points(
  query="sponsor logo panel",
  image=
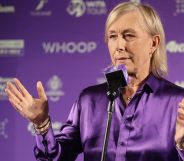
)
(7, 8)
(12, 47)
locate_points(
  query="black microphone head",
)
(117, 78)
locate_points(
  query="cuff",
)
(49, 137)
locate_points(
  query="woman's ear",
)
(155, 43)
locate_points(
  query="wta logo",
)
(78, 8)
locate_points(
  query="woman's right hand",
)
(34, 109)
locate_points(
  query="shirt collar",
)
(152, 83)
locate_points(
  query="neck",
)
(135, 81)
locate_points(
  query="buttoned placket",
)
(126, 127)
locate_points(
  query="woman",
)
(146, 124)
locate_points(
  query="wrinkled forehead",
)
(129, 19)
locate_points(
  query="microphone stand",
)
(115, 80)
(112, 96)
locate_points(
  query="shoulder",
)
(167, 84)
(96, 91)
(170, 87)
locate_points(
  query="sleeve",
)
(66, 145)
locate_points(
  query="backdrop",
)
(61, 43)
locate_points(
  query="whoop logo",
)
(76, 8)
(174, 47)
(69, 47)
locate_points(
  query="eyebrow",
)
(111, 32)
(123, 31)
(129, 30)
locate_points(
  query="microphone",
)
(117, 78)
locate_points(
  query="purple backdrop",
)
(62, 44)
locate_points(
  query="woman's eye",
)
(112, 36)
(128, 36)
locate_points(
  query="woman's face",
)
(130, 44)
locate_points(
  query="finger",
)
(17, 105)
(11, 95)
(15, 91)
(21, 87)
(41, 92)
(14, 100)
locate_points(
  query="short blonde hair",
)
(158, 65)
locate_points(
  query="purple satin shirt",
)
(141, 131)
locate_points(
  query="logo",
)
(54, 91)
(174, 47)
(180, 83)
(56, 126)
(40, 9)
(78, 8)
(11, 47)
(7, 9)
(3, 127)
(3, 82)
(69, 47)
(179, 7)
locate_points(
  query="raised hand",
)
(179, 135)
(33, 109)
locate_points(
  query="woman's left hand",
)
(179, 135)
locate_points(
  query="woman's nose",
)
(121, 44)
